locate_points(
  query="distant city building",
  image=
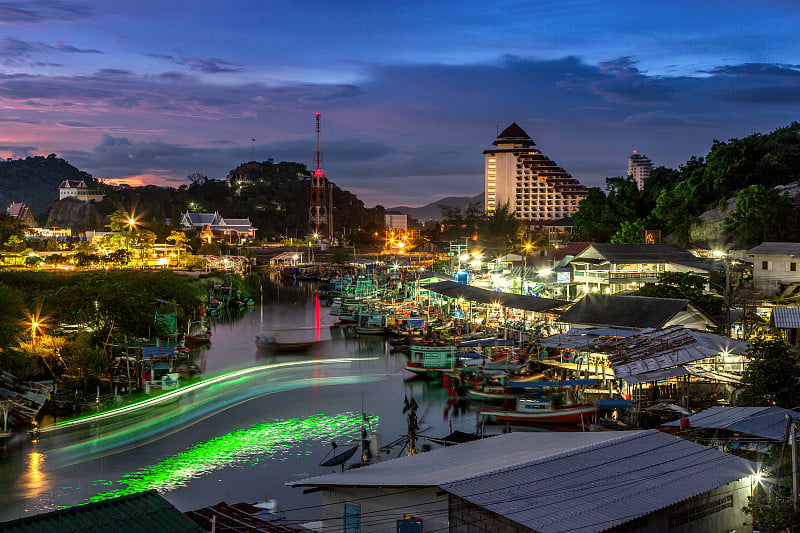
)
(396, 222)
(77, 189)
(535, 189)
(639, 167)
(22, 212)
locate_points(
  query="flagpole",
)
(253, 150)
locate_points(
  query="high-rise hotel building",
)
(639, 167)
(534, 187)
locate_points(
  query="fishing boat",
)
(431, 359)
(371, 323)
(540, 411)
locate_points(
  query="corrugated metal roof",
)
(461, 462)
(143, 512)
(765, 422)
(558, 482)
(637, 312)
(776, 248)
(598, 487)
(637, 253)
(476, 294)
(786, 317)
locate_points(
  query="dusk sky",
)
(410, 92)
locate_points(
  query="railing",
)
(605, 276)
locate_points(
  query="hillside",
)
(35, 181)
(432, 211)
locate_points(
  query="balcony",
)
(614, 278)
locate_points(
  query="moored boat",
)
(540, 411)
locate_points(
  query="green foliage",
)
(771, 376)
(37, 178)
(589, 219)
(11, 315)
(772, 516)
(672, 200)
(630, 232)
(762, 215)
(115, 303)
(500, 232)
(687, 286)
(10, 227)
(340, 257)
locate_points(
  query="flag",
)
(253, 140)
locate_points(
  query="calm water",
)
(266, 420)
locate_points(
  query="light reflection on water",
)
(251, 444)
(159, 447)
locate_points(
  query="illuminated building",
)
(639, 167)
(530, 183)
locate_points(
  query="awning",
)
(452, 289)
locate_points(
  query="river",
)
(265, 420)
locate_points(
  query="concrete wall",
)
(777, 273)
(381, 508)
(466, 517)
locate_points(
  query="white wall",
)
(382, 507)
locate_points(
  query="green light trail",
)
(253, 444)
(206, 383)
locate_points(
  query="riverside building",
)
(535, 189)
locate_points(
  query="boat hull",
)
(569, 415)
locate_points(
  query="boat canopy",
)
(540, 384)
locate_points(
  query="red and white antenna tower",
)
(318, 210)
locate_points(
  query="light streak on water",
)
(253, 444)
(172, 395)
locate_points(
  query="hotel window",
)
(792, 267)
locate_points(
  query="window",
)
(792, 267)
(764, 265)
(352, 518)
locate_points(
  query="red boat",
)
(541, 411)
(200, 338)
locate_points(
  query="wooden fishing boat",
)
(432, 360)
(197, 339)
(540, 411)
(371, 323)
(269, 341)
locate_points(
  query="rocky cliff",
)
(76, 215)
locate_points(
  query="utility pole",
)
(794, 467)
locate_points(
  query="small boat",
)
(200, 338)
(541, 411)
(270, 342)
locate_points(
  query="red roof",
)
(72, 184)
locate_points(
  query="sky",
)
(410, 92)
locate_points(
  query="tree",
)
(589, 221)
(687, 286)
(762, 215)
(630, 232)
(180, 240)
(13, 242)
(500, 231)
(772, 376)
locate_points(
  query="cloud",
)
(18, 120)
(16, 51)
(404, 132)
(206, 65)
(18, 151)
(19, 13)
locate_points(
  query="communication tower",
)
(318, 210)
